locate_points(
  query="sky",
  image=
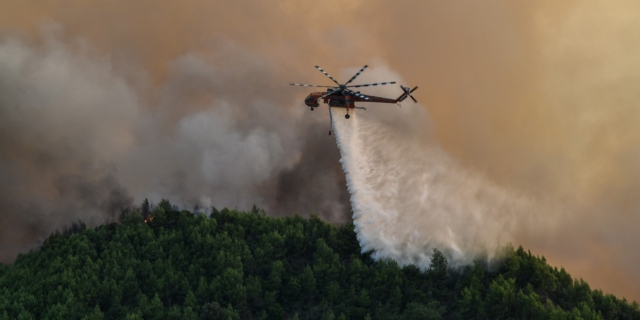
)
(105, 103)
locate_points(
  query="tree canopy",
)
(163, 263)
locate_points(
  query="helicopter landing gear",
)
(347, 116)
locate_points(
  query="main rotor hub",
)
(342, 86)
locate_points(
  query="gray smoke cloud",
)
(63, 117)
(82, 137)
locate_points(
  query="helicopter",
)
(342, 96)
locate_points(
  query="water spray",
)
(409, 197)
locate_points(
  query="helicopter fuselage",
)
(341, 100)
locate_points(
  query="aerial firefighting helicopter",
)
(342, 96)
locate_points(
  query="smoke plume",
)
(62, 118)
(80, 138)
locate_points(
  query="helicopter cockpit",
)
(310, 101)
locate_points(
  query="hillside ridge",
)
(171, 264)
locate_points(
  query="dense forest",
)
(163, 263)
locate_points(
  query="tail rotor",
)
(407, 93)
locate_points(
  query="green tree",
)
(155, 310)
(95, 314)
(307, 282)
(438, 274)
(419, 311)
(500, 298)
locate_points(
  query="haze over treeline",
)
(105, 103)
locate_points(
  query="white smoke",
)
(409, 197)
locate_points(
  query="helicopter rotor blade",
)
(356, 75)
(326, 74)
(328, 94)
(309, 85)
(372, 84)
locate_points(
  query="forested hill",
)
(171, 264)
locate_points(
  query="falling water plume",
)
(409, 197)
